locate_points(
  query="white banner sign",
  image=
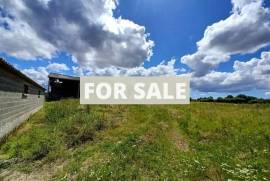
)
(135, 90)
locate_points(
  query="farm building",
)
(63, 86)
(20, 97)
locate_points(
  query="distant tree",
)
(229, 99)
(211, 99)
(220, 99)
(242, 96)
(246, 99)
(239, 99)
(206, 99)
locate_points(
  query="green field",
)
(201, 141)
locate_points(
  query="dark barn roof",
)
(13, 70)
(66, 77)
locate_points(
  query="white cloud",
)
(253, 74)
(57, 67)
(183, 70)
(267, 93)
(21, 41)
(246, 30)
(162, 69)
(78, 71)
(201, 63)
(239, 4)
(85, 29)
(40, 75)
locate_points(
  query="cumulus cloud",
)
(246, 30)
(162, 69)
(201, 63)
(19, 39)
(40, 75)
(85, 29)
(57, 67)
(239, 4)
(252, 74)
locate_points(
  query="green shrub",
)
(99, 125)
(79, 129)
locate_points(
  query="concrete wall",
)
(16, 107)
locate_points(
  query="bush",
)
(99, 125)
(78, 136)
(79, 129)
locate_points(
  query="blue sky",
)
(175, 27)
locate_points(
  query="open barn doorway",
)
(62, 86)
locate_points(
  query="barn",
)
(63, 86)
(20, 97)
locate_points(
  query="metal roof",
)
(66, 77)
(13, 70)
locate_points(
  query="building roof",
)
(13, 70)
(66, 77)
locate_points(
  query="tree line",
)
(239, 99)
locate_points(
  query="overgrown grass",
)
(233, 138)
(58, 127)
(201, 141)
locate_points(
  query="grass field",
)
(201, 141)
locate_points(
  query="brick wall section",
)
(14, 107)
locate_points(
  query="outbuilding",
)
(20, 97)
(63, 86)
